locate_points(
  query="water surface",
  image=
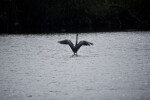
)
(36, 67)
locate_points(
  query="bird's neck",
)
(77, 39)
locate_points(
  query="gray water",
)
(36, 67)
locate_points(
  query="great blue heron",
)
(75, 47)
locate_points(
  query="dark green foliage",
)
(73, 15)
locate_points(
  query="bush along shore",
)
(23, 16)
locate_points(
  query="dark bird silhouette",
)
(77, 46)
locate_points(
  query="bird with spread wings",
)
(77, 46)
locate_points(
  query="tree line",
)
(73, 15)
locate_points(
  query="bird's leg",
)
(73, 55)
(76, 54)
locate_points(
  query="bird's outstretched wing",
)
(68, 42)
(85, 43)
